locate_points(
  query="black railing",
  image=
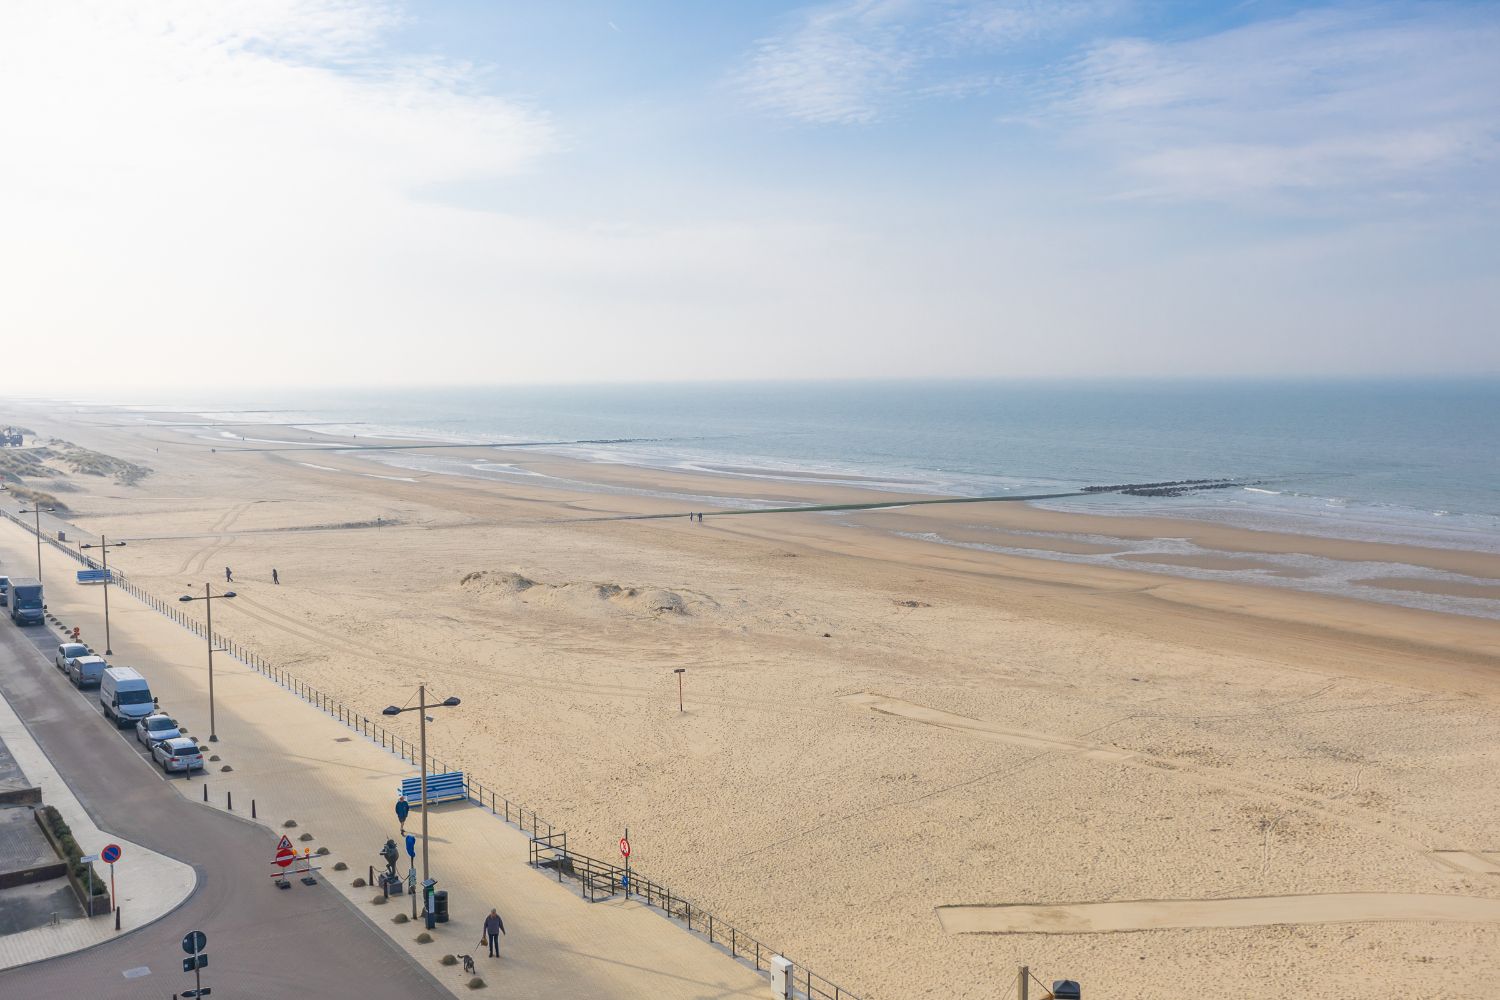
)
(549, 848)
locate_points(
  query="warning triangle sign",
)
(284, 845)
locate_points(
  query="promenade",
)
(297, 764)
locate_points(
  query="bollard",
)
(229, 799)
(252, 809)
(205, 791)
(371, 880)
(117, 918)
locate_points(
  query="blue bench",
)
(440, 788)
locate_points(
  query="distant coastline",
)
(1413, 473)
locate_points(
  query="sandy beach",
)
(881, 730)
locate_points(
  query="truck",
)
(26, 601)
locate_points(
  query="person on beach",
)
(228, 575)
(493, 928)
(275, 577)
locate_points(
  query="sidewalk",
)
(297, 763)
(150, 885)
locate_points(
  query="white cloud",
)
(851, 62)
(1348, 103)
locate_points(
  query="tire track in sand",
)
(198, 558)
(1186, 914)
(1381, 825)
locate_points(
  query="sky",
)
(331, 192)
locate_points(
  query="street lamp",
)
(104, 548)
(208, 599)
(37, 510)
(421, 710)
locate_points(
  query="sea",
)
(1413, 461)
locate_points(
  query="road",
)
(262, 942)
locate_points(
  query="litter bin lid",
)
(1066, 989)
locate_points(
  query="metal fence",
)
(598, 879)
(549, 847)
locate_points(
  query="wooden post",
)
(1023, 982)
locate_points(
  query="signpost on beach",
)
(679, 671)
(625, 853)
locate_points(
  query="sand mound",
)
(582, 596)
(488, 582)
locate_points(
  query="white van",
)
(125, 696)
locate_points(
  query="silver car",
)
(180, 754)
(67, 651)
(87, 671)
(155, 728)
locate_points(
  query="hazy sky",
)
(349, 191)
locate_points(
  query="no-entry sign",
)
(624, 848)
(285, 856)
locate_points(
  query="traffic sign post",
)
(285, 855)
(411, 874)
(89, 860)
(109, 856)
(193, 942)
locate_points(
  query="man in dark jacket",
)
(493, 928)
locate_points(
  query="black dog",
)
(468, 964)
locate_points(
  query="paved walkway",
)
(297, 763)
(152, 886)
(313, 943)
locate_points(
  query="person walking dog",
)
(493, 928)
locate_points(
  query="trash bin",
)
(1066, 989)
(440, 906)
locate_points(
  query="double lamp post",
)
(208, 599)
(421, 708)
(104, 547)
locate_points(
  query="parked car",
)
(86, 671)
(180, 754)
(155, 728)
(4, 591)
(125, 696)
(67, 651)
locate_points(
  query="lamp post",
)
(421, 710)
(104, 547)
(37, 510)
(208, 599)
